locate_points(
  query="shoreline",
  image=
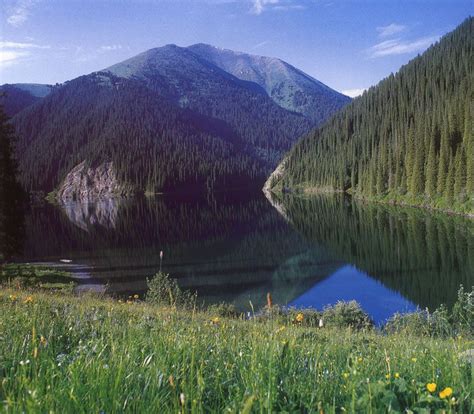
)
(311, 191)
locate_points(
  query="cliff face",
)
(275, 176)
(85, 183)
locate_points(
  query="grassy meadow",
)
(63, 353)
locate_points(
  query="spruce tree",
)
(11, 194)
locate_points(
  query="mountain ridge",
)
(167, 119)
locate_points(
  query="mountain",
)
(407, 140)
(288, 86)
(164, 120)
(18, 96)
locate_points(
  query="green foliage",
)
(346, 314)
(224, 310)
(11, 194)
(226, 135)
(69, 354)
(403, 140)
(462, 315)
(442, 322)
(27, 276)
(165, 291)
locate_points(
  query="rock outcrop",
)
(274, 177)
(87, 183)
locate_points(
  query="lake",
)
(236, 247)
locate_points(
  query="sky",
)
(349, 45)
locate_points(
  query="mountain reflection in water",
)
(236, 248)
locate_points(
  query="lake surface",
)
(308, 252)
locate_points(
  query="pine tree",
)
(431, 167)
(11, 194)
(459, 174)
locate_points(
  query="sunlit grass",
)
(61, 353)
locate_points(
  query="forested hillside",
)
(16, 97)
(167, 119)
(409, 139)
(154, 145)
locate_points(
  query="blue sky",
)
(349, 45)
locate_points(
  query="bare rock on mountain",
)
(87, 183)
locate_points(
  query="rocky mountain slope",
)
(288, 86)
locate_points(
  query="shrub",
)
(462, 316)
(224, 310)
(439, 323)
(304, 317)
(165, 291)
(346, 314)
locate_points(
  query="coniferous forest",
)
(11, 194)
(409, 139)
(167, 120)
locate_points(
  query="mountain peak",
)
(288, 86)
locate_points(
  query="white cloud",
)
(20, 12)
(289, 7)
(13, 52)
(354, 92)
(259, 45)
(259, 5)
(10, 57)
(110, 48)
(400, 47)
(391, 29)
(17, 45)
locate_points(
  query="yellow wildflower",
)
(447, 392)
(431, 387)
(28, 299)
(359, 360)
(413, 359)
(299, 317)
(215, 320)
(43, 341)
(13, 298)
(387, 376)
(397, 375)
(345, 375)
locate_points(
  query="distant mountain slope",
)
(167, 119)
(187, 80)
(288, 86)
(18, 96)
(409, 139)
(153, 145)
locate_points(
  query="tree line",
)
(408, 138)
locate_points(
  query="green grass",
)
(37, 276)
(62, 353)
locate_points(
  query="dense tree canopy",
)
(410, 138)
(11, 194)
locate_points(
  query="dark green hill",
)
(408, 140)
(18, 96)
(165, 120)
